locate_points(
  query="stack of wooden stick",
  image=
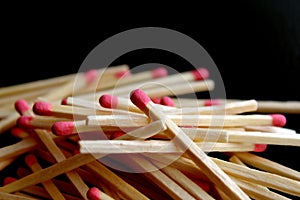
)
(112, 134)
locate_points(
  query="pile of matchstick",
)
(112, 134)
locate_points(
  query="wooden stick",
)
(190, 120)
(274, 181)
(4, 195)
(81, 187)
(8, 122)
(289, 107)
(217, 176)
(49, 186)
(156, 146)
(268, 165)
(254, 191)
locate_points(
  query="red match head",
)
(200, 74)
(24, 121)
(156, 100)
(212, 102)
(63, 128)
(21, 106)
(116, 134)
(122, 74)
(94, 194)
(159, 72)
(278, 120)
(8, 180)
(64, 101)
(140, 99)
(30, 160)
(108, 101)
(91, 75)
(18, 132)
(42, 108)
(167, 101)
(260, 147)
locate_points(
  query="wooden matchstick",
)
(268, 165)
(217, 176)
(49, 186)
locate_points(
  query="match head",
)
(30, 160)
(21, 106)
(91, 75)
(116, 134)
(63, 128)
(122, 74)
(167, 101)
(94, 194)
(18, 132)
(64, 102)
(24, 121)
(159, 72)
(212, 102)
(42, 108)
(8, 180)
(140, 99)
(278, 120)
(200, 74)
(260, 147)
(108, 101)
(156, 100)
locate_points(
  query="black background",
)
(255, 45)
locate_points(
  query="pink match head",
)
(116, 134)
(122, 74)
(18, 132)
(140, 99)
(42, 108)
(91, 75)
(63, 128)
(167, 101)
(24, 121)
(156, 100)
(212, 102)
(260, 147)
(108, 101)
(8, 180)
(159, 72)
(30, 160)
(278, 120)
(21, 106)
(94, 194)
(200, 74)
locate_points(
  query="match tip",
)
(278, 120)
(8, 180)
(18, 132)
(64, 102)
(200, 74)
(167, 101)
(122, 74)
(24, 121)
(212, 102)
(116, 134)
(42, 108)
(91, 75)
(139, 98)
(260, 147)
(108, 101)
(159, 72)
(63, 128)
(30, 160)
(156, 100)
(21, 106)
(94, 194)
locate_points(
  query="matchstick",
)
(49, 186)
(217, 176)
(268, 165)
(154, 146)
(274, 181)
(191, 120)
(96, 194)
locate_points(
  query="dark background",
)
(255, 45)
